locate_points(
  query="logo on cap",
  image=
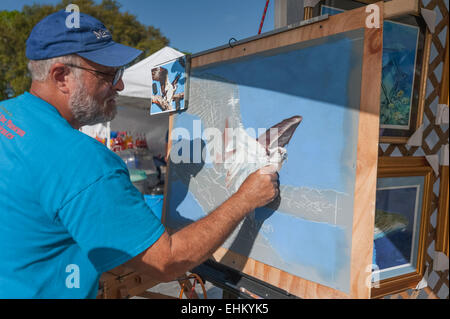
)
(101, 34)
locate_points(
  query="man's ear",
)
(59, 75)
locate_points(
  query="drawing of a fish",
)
(386, 223)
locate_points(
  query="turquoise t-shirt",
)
(68, 210)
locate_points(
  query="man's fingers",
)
(274, 177)
(276, 187)
(277, 192)
(269, 169)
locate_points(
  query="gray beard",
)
(87, 111)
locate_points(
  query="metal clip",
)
(229, 42)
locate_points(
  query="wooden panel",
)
(366, 169)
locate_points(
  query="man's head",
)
(83, 87)
(78, 70)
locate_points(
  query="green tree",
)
(15, 27)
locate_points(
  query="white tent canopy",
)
(137, 78)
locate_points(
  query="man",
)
(68, 211)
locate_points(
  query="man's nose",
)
(119, 86)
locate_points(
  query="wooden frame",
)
(397, 8)
(443, 94)
(365, 183)
(442, 230)
(392, 8)
(393, 167)
(404, 13)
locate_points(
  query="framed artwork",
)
(406, 50)
(169, 83)
(403, 200)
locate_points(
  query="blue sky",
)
(191, 26)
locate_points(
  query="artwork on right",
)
(406, 45)
(403, 200)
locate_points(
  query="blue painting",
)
(305, 92)
(397, 225)
(400, 43)
(168, 86)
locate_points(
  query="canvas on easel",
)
(319, 86)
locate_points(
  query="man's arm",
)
(173, 255)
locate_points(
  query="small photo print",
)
(168, 86)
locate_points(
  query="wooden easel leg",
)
(186, 286)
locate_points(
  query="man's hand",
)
(172, 255)
(260, 187)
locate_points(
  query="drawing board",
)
(321, 84)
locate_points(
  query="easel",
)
(124, 283)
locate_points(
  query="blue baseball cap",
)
(53, 36)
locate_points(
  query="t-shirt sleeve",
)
(110, 221)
